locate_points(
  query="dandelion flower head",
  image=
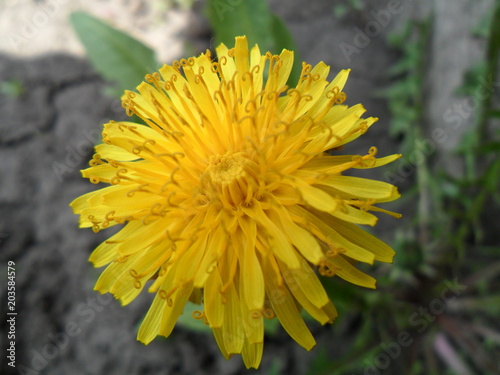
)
(230, 198)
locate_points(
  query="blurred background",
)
(428, 69)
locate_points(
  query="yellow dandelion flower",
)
(230, 198)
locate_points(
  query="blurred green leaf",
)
(473, 78)
(494, 113)
(489, 304)
(12, 88)
(275, 367)
(482, 29)
(115, 55)
(400, 39)
(252, 18)
(400, 67)
(339, 11)
(320, 362)
(237, 18)
(355, 360)
(356, 4)
(489, 147)
(271, 326)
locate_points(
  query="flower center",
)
(230, 179)
(225, 169)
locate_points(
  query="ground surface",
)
(46, 137)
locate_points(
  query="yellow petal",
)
(360, 127)
(112, 274)
(361, 187)
(329, 164)
(171, 313)
(348, 272)
(81, 202)
(317, 313)
(127, 197)
(286, 58)
(256, 59)
(307, 93)
(251, 320)
(189, 261)
(390, 213)
(306, 280)
(107, 251)
(379, 162)
(203, 98)
(216, 246)
(142, 238)
(218, 335)
(232, 331)
(313, 196)
(227, 65)
(101, 173)
(150, 326)
(252, 354)
(355, 215)
(279, 243)
(214, 309)
(330, 311)
(139, 269)
(356, 235)
(320, 221)
(114, 152)
(203, 67)
(339, 80)
(241, 54)
(303, 240)
(252, 279)
(286, 310)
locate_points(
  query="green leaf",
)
(339, 11)
(253, 19)
(117, 56)
(356, 4)
(241, 17)
(271, 326)
(494, 113)
(275, 367)
(489, 147)
(472, 79)
(320, 362)
(400, 67)
(482, 29)
(489, 304)
(284, 40)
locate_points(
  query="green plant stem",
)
(423, 183)
(492, 55)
